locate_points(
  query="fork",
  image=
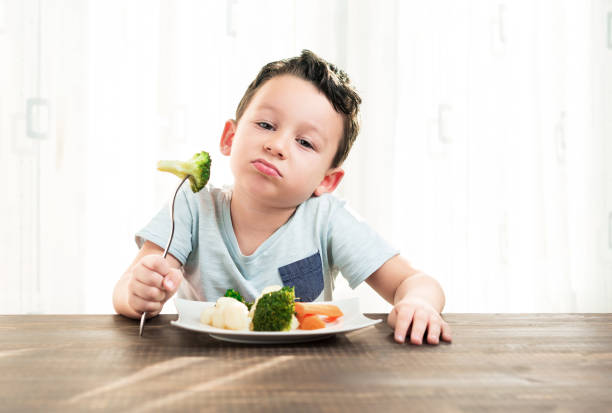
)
(144, 314)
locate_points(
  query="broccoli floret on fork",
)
(197, 169)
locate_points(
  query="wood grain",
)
(497, 362)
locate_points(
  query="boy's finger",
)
(433, 332)
(419, 324)
(392, 318)
(148, 292)
(140, 305)
(146, 276)
(156, 263)
(446, 332)
(172, 280)
(402, 322)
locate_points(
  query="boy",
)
(278, 223)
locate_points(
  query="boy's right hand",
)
(151, 283)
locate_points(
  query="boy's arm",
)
(149, 267)
(417, 301)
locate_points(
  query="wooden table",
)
(497, 362)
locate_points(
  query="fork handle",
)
(144, 314)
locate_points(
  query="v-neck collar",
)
(232, 241)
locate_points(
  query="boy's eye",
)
(304, 143)
(265, 125)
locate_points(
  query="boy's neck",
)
(253, 222)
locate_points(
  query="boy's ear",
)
(227, 137)
(330, 182)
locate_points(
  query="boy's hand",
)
(151, 283)
(415, 316)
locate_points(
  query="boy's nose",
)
(275, 146)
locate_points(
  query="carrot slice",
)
(311, 322)
(329, 310)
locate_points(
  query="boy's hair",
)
(330, 80)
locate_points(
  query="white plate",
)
(190, 311)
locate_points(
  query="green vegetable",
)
(275, 310)
(235, 294)
(197, 169)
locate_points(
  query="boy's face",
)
(283, 146)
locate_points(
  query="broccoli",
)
(235, 294)
(197, 169)
(274, 311)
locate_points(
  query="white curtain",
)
(485, 154)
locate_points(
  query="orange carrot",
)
(329, 310)
(311, 322)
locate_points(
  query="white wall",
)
(485, 153)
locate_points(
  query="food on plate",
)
(235, 294)
(311, 322)
(274, 310)
(328, 310)
(197, 169)
(227, 313)
(308, 314)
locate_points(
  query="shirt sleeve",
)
(355, 248)
(158, 229)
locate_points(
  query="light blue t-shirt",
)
(321, 238)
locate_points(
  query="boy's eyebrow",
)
(268, 106)
(310, 125)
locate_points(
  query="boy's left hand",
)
(415, 316)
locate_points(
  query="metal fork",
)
(144, 314)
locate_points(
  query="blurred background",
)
(485, 154)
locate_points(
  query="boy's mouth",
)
(266, 168)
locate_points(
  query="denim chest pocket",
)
(306, 276)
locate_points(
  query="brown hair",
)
(330, 80)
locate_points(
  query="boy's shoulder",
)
(334, 207)
(209, 202)
(326, 204)
(210, 191)
(325, 199)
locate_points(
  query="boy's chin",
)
(274, 197)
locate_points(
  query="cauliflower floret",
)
(270, 289)
(225, 301)
(218, 319)
(227, 313)
(206, 316)
(236, 316)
